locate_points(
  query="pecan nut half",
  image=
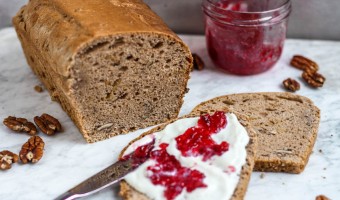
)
(321, 197)
(304, 63)
(20, 125)
(7, 158)
(313, 78)
(198, 62)
(38, 88)
(48, 124)
(291, 84)
(32, 150)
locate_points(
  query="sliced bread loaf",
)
(112, 64)
(287, 126)
(129, 193)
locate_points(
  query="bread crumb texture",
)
(286, 124)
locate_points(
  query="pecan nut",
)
(322, 197)
(38, 88)
(304, 63)
(313, 78)
(7, 158)
(291, 84)
(20, 125)
(32, 150)
(198, 62)
(48, 124)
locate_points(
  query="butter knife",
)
(107, 177)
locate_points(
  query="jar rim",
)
(240, 18)
(285, 4)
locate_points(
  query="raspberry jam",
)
(197, 140)
(245, 36)
(141, 154)
(169, 173)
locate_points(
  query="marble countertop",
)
(68, 160)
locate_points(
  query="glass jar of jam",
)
(245, 37)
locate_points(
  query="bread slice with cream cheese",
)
(130, 193)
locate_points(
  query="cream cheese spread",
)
(222, 173)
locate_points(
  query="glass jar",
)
(245, 36)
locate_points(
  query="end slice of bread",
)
(287, 126)
(129, 193)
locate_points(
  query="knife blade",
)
(107, 177)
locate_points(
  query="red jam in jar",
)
(245, 37)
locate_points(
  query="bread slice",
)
(129, 193)
(287, 126)
(113, 65)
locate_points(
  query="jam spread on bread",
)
(195, 141)
(141, 154)
(191, 158)
(169, 173)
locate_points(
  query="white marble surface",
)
(69, 160)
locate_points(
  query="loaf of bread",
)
(287, 126)
(113, 65)
(127, 192)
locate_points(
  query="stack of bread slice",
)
(282, 128)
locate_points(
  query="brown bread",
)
(113, 65)
(287, 127)
(129, 193)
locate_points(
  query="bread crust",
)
(129, 193)
(274, 115)
(69, 25)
